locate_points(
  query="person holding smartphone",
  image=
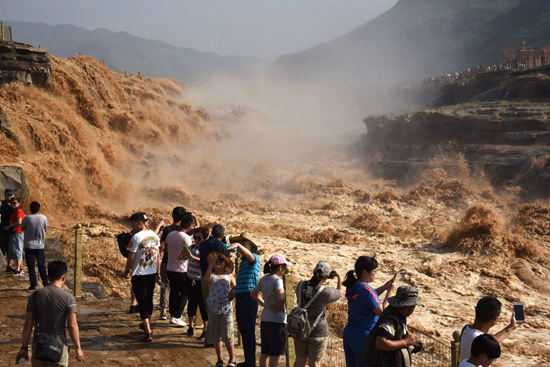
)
(488, 311)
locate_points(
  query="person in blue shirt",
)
(364, 307)
(247, 307)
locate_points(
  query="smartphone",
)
(518, 310)
(185, 247)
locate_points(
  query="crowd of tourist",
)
(194, 266)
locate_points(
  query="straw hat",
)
(243, 237)
(229, 266)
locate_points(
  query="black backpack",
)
(123, 240)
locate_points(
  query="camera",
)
(331, 275)
(418, 347)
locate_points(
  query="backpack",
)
(123, 240)
(297, 320)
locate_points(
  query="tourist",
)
(193, 281)
(313, 348)
(35, 226)
(389, 341)
(220, 282)
(364, 307)
(487, 315)
(177, 215)
(247, 307)
(5, 213)
(176, 269)
(15, 251)
(273, 319)
(485, 350)
(52, 310)
(144, 264)
(213, 243)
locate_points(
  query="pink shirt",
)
(174, 244)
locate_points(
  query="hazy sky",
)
(262, 28)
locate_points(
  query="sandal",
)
(219, 363)
(232, 364)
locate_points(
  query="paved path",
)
(109, 335)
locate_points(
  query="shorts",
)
(273, 338)
(63, 362)
(312, 348)
(221, 326)
(15, 251)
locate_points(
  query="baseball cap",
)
(279, 259)
(322, 270)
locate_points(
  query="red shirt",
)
(18, 213)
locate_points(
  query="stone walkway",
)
(109, 335)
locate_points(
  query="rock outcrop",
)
(24, 63)
(508, 141)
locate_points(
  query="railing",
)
(435, 353)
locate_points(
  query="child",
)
(219, 307)
(273, 321)
(485, 350)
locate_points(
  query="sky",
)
(260, 28)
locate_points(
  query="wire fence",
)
(435, 353)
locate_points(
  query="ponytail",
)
(267, 267)
(350, 279)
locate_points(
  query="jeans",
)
(178, 293)
(247, 309)
(144, 287)
(30, 255)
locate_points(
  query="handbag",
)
(49, 346)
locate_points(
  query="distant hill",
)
(415, 38)
(124, 52)
(529, 21)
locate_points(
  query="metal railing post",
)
(289, 293)
(77, 290)
(455, 349)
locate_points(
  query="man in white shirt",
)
(144, 265)
(487, 314)
(485, 350)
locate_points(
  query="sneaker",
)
(162, 316)
(190, 331)
(203, 335)
(148, 337)
(17, 273)
(134, 309)
(178, 322)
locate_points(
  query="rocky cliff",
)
(24, 63)
(508, 142)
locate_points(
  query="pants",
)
(247, 309)
(204, 288)
(353, 346)
(30, 255)
(4, 242)
(15, 251)
(194, 292)
(165, 287)
(144, 287)
(178, 293)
